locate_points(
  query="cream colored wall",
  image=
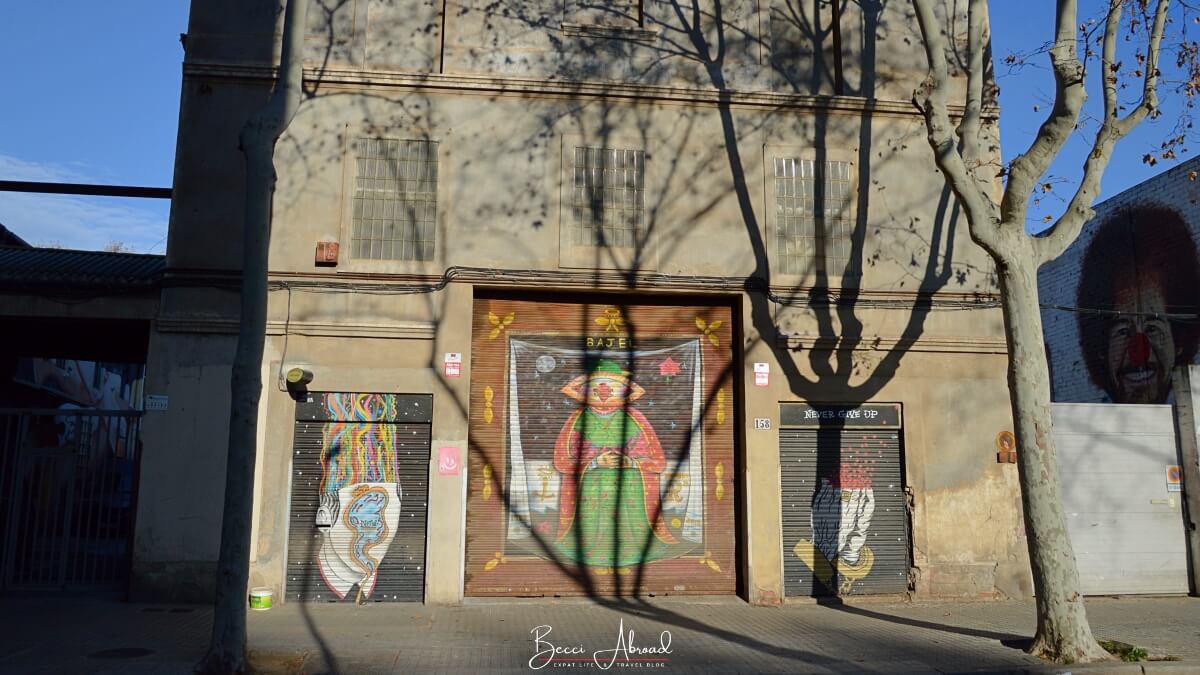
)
(500, 198)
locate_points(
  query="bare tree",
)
(227, 650)
(962, 153)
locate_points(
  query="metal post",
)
(1186, 385)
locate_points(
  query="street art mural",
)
(350, 464)
(74, 386)
(844, 508)
(1133, 307)
(86, 384)
(600, 454)
(841, 515)
(360, 492)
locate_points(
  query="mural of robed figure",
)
(610, 460)
(1140, 273)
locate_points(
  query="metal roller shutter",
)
(602, 450)
(359, 494)
(845, 515)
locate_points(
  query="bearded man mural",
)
(609, 459)
(1141, 271)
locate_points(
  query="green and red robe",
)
(610, 516)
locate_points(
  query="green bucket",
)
(260, 598)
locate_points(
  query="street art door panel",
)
(602, 450)
(845, 514)
(360, 466)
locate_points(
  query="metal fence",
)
(68, 488)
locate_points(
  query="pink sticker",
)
(448, 461)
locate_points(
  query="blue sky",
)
(92, 95)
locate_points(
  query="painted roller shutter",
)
(845, 515)
(365, 459)
(551, 509)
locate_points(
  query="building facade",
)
(583, 301)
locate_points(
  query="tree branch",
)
(270, 121)
(931, 99)
(968, 127)
(1069, 96)
(1064, 231)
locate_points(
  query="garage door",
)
(845, 515)
(602, 449)
(1125, 523)
(360, 479)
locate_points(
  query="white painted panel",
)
(1127, 530)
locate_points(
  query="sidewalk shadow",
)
(1012, 640)
(640, 608)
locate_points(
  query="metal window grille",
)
(805, 239)
(395, 199)
(608, 198)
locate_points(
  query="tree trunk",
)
(227, 652)
(1063, 634)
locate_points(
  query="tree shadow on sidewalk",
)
(1012, 640)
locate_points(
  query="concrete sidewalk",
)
(703, 635)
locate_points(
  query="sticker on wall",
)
(1174, 478)
(449, 462)
(762, 374)
(452, 364)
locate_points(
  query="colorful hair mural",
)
(358, 451)
(360, 490)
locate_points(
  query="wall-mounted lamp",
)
(297, 380)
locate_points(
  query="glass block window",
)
(805, 239)
(608, 197)
(395, 199)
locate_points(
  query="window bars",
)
(608, 201)
(395, 199)
(811, 236)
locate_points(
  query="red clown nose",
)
(1138, 350)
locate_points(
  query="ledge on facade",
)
(938, 343)
(624, 281)
(635, 33)
(404, 330)
(566, 88)
(197, 324)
